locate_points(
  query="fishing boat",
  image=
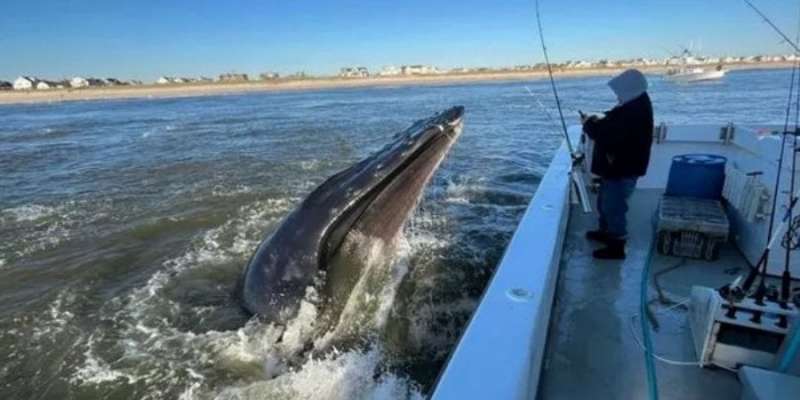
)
(556, 324)
(681, 317)
(687, 73)
(695, 74)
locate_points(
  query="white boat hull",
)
(688, 77)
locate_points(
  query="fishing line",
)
(544, 109)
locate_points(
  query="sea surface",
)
(125, 224)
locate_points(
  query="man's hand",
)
(586, 117)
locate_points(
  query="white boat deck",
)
(555, 324)
(591, 350)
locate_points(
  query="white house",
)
(389, 70)
(45, 85)
(25, 83)
(165, 80)
(354, 72)
(418, 70)
(78, 82)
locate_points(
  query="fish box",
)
(691, 227)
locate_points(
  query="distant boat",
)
(688, 74)
(697, 74)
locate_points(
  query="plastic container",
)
(700, 176)
(691, 227)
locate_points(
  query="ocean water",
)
(125, 224)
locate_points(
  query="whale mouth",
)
(373, 197)
(434, 144)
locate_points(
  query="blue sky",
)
(147, 38)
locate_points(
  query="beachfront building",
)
(579, 64)
(354, 72)
(46, 85)
(25, 83)
(78, 82)
(114, 82)
(5, 85)
(165, 80)
(232, 77)
(96, 82)
(460, 70)
(418, 70)
(269, 76)
(389, 70)
(299, 75)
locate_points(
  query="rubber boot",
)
(598, 236)
(614, 250)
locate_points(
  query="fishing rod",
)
(577, 158)
(552, 80)
(735, 292)
(790, 241)
(774, 27)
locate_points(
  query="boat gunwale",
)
(504, 341)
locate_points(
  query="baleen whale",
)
(367, 203)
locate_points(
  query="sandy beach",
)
(217, 88)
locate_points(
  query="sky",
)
(146, 39)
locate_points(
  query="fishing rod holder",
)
(732, 334)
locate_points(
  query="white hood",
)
(628, 85)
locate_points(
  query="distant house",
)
(25, 83)
(460, 70)
(165, 80)
(134, 82)
(114, 82)
(96, 82)
(418, 70)
(231, 77)
(46, 85)
(4, 85)
(389, 70)
(205, 79)
(354, 72)
(269, 76)
(78, 82)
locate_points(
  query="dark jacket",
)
(622, 139)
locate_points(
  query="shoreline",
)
(210, 89)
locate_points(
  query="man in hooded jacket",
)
(621, 154)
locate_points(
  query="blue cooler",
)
(696, 175)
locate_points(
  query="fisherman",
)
(622, 140)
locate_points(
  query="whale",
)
(323, 241)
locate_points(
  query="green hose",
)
(652, 383)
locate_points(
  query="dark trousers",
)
(612, 205)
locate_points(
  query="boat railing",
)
(500, 353)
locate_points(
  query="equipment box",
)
(691, 227)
